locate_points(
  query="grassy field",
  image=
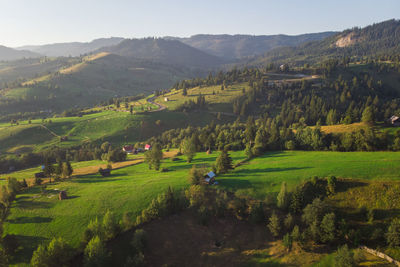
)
(37, 217)
(117, 127)
(266, 173)
(220, 101)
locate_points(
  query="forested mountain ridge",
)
(73, 49)
(374, 41)
(239, 45)
(165, 51)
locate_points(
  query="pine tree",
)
(224, 162)
(48, 168)
(274, 225)
(368, 115)
(189, 148)
(154, 156)
(283, 197)
(67, 169)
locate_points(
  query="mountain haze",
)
(7, 53)
(239, 46)
(72, 49)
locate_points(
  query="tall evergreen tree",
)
(224, 162)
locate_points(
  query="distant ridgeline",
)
(377, 41)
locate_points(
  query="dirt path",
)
(160, 106)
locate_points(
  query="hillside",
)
(74, 49)
(7, 54)
(83, 82)
(131, 189)
(165, 51)
(380, 39)
(240, 46)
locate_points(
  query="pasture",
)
(38, 216)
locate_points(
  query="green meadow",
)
(38, 216)
(113, 126)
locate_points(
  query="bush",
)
(344, 257)
(57, 253)
(95, 253)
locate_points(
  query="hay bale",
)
(62, 195)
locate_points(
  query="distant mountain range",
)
(73, 49)
(204, 50)
(240, 46)
(9, 54)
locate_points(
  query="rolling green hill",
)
(87, 82)
(36, 217)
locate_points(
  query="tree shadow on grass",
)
(275, 154)
(36, 219)
(27, 244)
(260, 171)
(95, 180)
(235, 183)
(32, 204)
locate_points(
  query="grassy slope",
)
(37, 218)
(117, 127)
(265, 174)
(221, 101)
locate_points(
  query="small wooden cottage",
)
(209, 178)
(394, 121)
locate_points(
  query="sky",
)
(33, 22)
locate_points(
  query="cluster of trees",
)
(191, 105)
(266, 134)
(85, 152)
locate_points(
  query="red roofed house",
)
(128, 149)
(147, 147)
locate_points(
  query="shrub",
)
(95, 253)
(274, 225)
(57, 253)
(393, 233)
(343, 257)
(287, 241)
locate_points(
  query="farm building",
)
(147, 147)
(166, 99)
(394, 121)
(129, 149)
(209, 178)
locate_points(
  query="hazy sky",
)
(25, 22)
